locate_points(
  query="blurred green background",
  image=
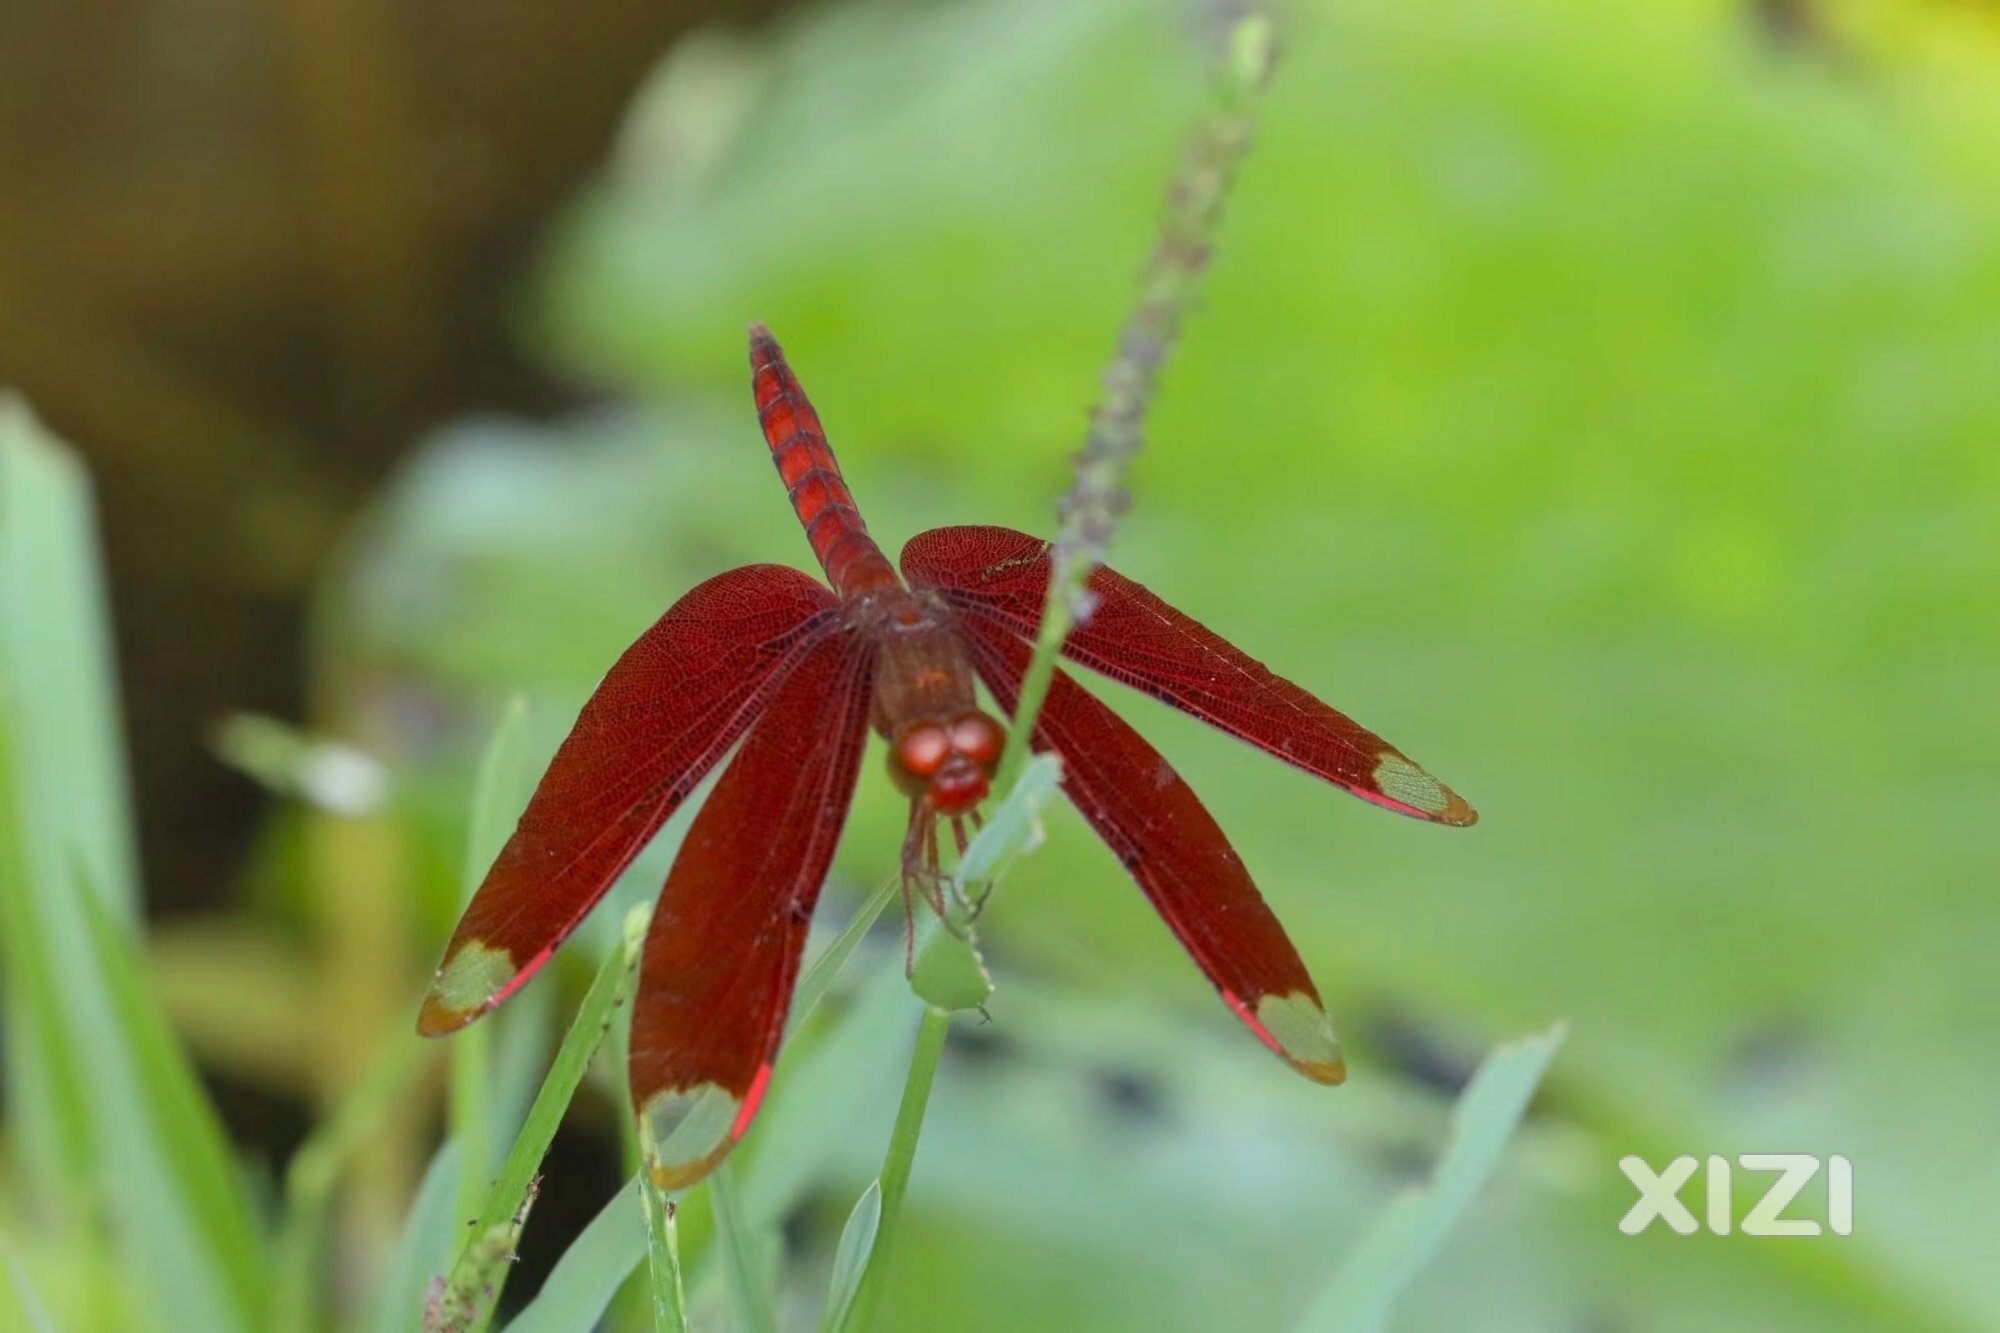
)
(1600, 401)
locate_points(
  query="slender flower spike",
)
(791, 674)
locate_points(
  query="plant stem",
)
(1188, 225)
(663, 1248)
(897, 1161)
(1091, 509)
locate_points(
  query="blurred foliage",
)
(1600, 401)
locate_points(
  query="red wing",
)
(723, 951)
(1135, 638)
(1171, 845)
(664, 714)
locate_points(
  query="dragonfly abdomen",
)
(853, 562)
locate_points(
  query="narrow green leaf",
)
(34, 1314)
(166, 1161)
(466, 1303)
(430, 1234)
(590, 1272)
(896, 1163)
(499, 792)
(58, 765)
(582, 1284)
(315, 1171)
(55, 640)
(826, 968)
(107, 1107)
(1375, 1274)
(850, 1259)
(743, 1252)
(823, 1087)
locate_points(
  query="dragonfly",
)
(784, 677)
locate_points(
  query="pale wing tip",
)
(1297, 1030)
(438, 1019)
(1417, 792)
(688, 1131)
(474, 977)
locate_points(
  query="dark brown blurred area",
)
(249, 249)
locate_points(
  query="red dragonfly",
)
(767, 660)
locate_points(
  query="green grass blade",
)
(826, 968)
(430, 1234)
(167, 1166)
(499, 792)
(1361, 1294)
(896, 1164)
(663, 1250)
(835, 1080)
(53, 681)
(743, 1252)
(34, 1315)
(581, 1286)
(466, 1304)
(55, 638)
(140, 1136)
(590, 1272)
(315, 1171)
(850, 1259)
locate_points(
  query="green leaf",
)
(1361, 1294)
(34, 1314)
(108, 1110)
(582, 1284)
(896, 1164)
(826, 968)
(473, 1286)
(850, 1259)
(315, 1171)
(745, 1252)
(499, 792)
(430, 1234)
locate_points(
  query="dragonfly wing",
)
(1133, 637)
(722, 954)
(662, 717)
(1162, 835)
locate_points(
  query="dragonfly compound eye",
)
(979, 738)
(922, 750)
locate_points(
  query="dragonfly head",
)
(948, 766)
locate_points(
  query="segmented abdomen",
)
(833, 524)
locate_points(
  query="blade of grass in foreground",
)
(498, 794)
(465, 1304)
(1361, 1294)
(582, 1284)
(743, 1253)
(850, 1258)
(430, 1234)
(896, 1164)
(34, 1315)
(316, 1169)
(111, 1112)
(590, 1272)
